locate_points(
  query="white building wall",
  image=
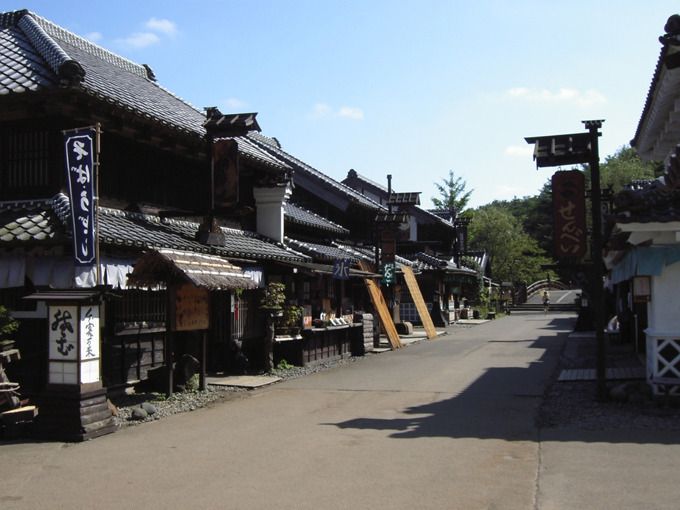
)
(664, 307)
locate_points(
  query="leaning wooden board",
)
(383, 313)
(417, 296)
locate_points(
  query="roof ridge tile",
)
(68, 70)
(59, 32)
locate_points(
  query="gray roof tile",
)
(29, 220)
(35, 54)
(272, 146)
(40, 220)
(324, 252)
(301, 216)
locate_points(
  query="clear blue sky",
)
(411, 88)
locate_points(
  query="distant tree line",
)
(517, 233)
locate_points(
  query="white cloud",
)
(234, 103)
(582, 98)
(350, 112)
(163, 26)
(323, 110)
(94, 36)
(519, 150)
(140, 40)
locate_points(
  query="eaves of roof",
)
(36, 54)
(379, 189)
(661, 96)
(298, 215)
(252, 152)
(274, 148)
(29, 221)
(323, 252)
(49, 219)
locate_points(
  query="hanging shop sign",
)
(569, 213)
(388, 271)
(225, 173)
(341, 269)
(79, 146)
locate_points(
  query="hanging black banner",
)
(80, 174)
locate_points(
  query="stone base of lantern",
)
(74, 412)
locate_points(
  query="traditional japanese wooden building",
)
(434, 243)
(643, 251)
(157, 189)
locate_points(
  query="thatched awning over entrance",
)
(174, 266)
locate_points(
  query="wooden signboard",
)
(417, 296)
(189, 308)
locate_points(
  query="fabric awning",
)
(171, 266)
(645, 261)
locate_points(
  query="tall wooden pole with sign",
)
(593, 127)
(570, 149)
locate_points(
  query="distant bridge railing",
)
(541, 285)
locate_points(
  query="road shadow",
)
(508, 403)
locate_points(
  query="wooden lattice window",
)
(24, 161)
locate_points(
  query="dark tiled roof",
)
(21, 69)
(48, 219)
(651, 205)
(426, 262)
(296, 214)
(36, 54)
(29, 220)
(323, 251)
(353, 175)
(253, 152)
(368, 253)
(146, 231)
(656, 79)
(273, 147)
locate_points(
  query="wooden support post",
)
(201, 378)
(169, 359)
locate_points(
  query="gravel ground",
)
(631, 404)
(575, 403)
(191, 400)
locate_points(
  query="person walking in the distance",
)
(546, 301)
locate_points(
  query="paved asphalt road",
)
(565, 297)
(442, 424)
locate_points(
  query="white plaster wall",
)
(664, 308)
(269, 216)
(413, 227)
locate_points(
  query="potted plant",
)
(274, 298)
(292, 319)
(8, 326)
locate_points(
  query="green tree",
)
(624, 167)
(453, 194)
(534, 213)
(515, 256)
